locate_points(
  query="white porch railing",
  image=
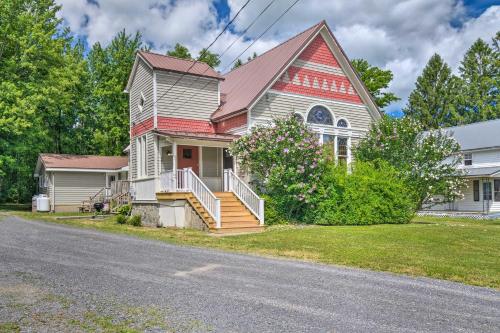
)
(144, 189)
(185, 180)
(232, 183)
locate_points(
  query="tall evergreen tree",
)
(376, 80)
(237, 64)
(479, 71)
(432, 102)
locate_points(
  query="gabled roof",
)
(167, 63)
(90, 162)
(245, 84)
(482, 135)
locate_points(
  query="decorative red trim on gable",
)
(141, 127)
(309, 82)
(230, 123)
(319, 52)
(188, 125)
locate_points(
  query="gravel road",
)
(55, 277)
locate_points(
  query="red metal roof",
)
(198, 135)
(168, 63)
(67, 161)
(245, 83)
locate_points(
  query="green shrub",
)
(372, 193)
(135, 220)
(272, 214)
(121, 219)
(124, 210)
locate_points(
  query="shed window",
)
(468, 159)
(475, 189)
(320, 115)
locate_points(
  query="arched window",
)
(299, 117)
(320, 115)
(342, 123)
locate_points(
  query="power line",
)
(262, 34)
(219, 56)
(203, 53)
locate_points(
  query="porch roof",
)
(198, 135)
(478, 172)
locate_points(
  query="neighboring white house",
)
(68, 180)
(480, 144)
(184, 115)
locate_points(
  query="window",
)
(475, 189)
(487, 191)
(320, 115)
(141, 156)
(187, 153)
(342, 150)
(142, 101)
(342, 123)
(467, 159)
(497, 189)
(329, 142)
(299, 117)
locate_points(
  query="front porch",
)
(196, 178)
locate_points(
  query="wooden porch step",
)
(237, 230)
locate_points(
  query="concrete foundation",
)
(169, 213)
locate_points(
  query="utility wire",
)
(203, 53)
(220, 56)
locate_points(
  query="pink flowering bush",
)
(427, 161)
(286, 160)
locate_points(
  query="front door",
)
(188, 157)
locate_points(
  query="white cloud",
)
(399, 36)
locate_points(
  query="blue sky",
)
(396, 35)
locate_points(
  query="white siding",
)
(150, 154)
(275, 104)
(71, 188)
(192, 97)
(142, 83)
(485, 158)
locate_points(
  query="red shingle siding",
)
(188, 125)
(318, 84)
(230, 123)
(319, 52)
(141, 127)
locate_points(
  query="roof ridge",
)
(276, 46)
(177, 58)
(80, 155)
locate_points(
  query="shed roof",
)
(477, 172)
(66, 161)
(198, 135)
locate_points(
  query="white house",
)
(480, 144)
(184, 115)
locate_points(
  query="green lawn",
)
(457, 249)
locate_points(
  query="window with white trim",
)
(496, 189)
(320, 115)
(142, 101)
(141, 157)
(468, 159)
(342, 123)
(342, 149)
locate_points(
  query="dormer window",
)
(468, 159)
(142, 101)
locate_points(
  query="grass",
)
(456, 249)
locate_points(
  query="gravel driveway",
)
(60, 278)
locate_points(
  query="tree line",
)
(59, 95)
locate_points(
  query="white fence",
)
(232, 183)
